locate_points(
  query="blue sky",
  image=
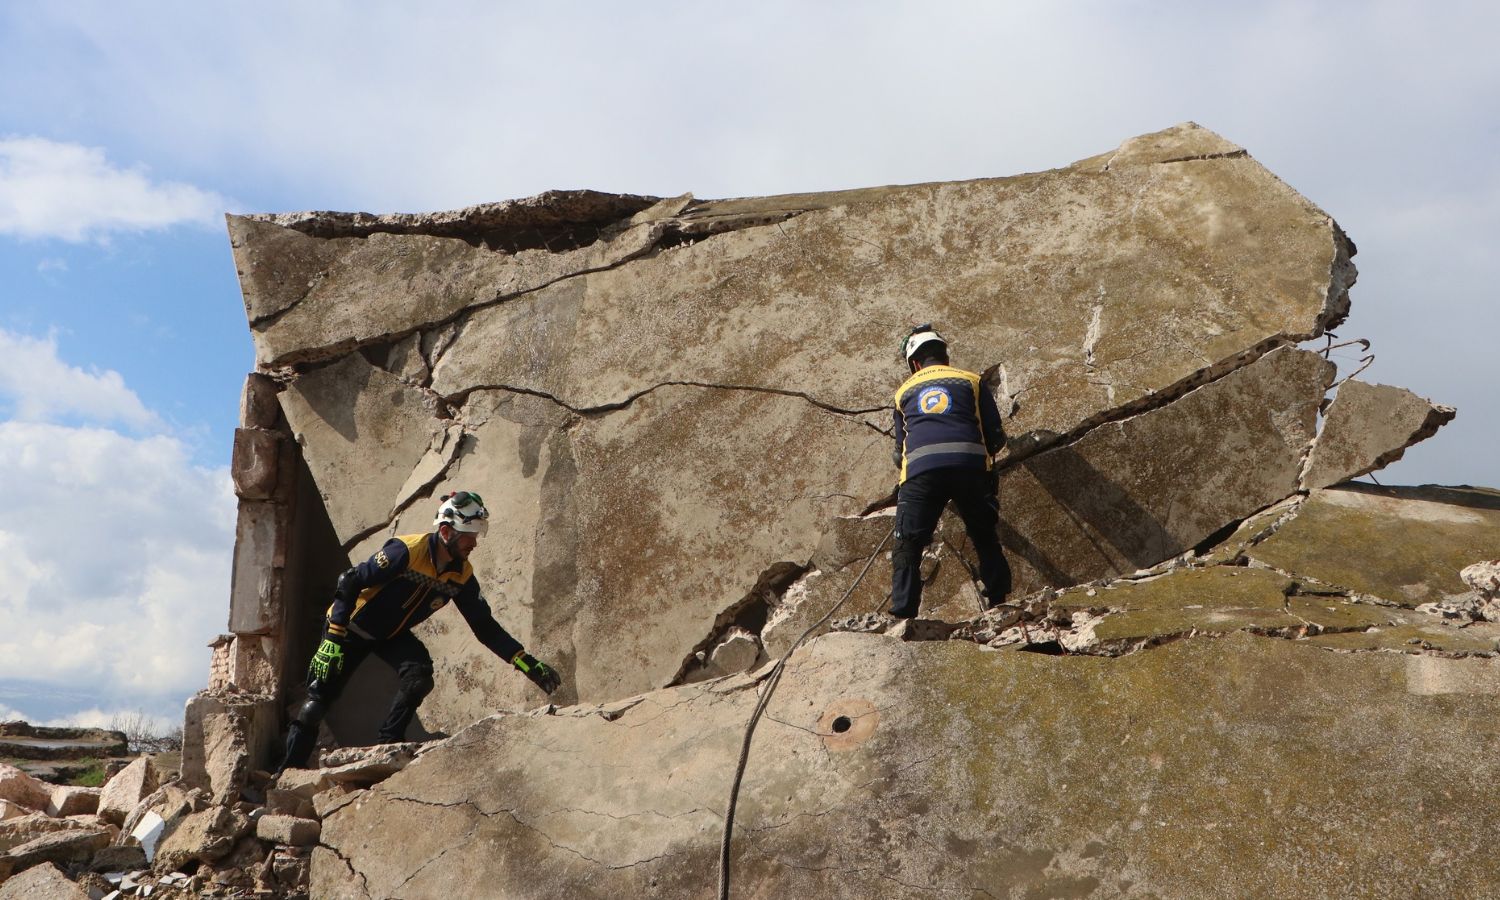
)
(127, 130)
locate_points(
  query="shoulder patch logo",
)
(382, 560)
(934, 401)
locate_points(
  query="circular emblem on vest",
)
(438, 602)
(934, 400)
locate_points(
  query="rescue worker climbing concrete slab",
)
(947, 429)
(377, 604)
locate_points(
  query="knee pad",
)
(907, 550)
(416, 682)
(311, 714)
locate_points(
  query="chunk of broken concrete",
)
(20, 829)
(292, 830)
(72, 845)
(1135, 493)
(1150, 260)
(345, 290)
(737, 651)
(1368, 427)
(370, 430)
(147, 833)
(71, 800)
(41, 882)
(202, 836)
(169, 802)
(303, 782)
(364, 766)
(226, 755)
(127, 788)
(288, 803)
(119, 859)
(23, 789)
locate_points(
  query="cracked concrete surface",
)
(645, 395)
(677, 410)
(1011, 774)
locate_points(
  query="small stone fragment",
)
(288, 830)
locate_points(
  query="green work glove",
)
(541, 674)
(328, 662)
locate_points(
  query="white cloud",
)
(37, 386)
(114, 558)
(117, 718)
(72, 192)
(114, 546)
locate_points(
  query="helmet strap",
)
(450, 543)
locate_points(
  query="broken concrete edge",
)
(652, 245)
(773, 580)
(1022, 447)
(548, 209)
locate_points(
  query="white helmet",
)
(464, 510)
(922, 334)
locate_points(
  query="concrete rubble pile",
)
(146, 833)
(1225, 667)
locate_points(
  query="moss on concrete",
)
(1405, 545)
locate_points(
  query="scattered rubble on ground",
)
(173, 841)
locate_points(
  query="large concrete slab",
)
(1368, 427)
(957, 771)
(1403, 545)
(1134, 493)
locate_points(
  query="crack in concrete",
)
(457, 845)
(515, 817)
(311, 354)
(1033, 443)
(461, 398)
(364, 885)
(634, 815)
(1229, 154)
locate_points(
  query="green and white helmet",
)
(464, 510)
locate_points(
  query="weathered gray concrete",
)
(961, 770)
(1403, 545)
(1369, 426)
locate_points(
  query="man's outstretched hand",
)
(541, 674)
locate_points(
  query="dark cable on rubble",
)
(760, 707)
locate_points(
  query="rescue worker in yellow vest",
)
(377, 604)
(947, 429)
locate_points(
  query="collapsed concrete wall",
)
(678, 409)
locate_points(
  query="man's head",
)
(461, 519)
(924, 347)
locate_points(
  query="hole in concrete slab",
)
(847, 723)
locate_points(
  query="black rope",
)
(760, 707)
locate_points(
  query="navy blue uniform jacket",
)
(945, 418)
(400, 587)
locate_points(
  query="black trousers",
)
(919, 505)
(404, 653)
